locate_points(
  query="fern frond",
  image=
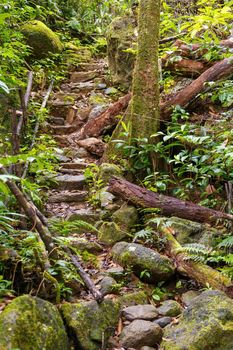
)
(226, 243)
(64, 227)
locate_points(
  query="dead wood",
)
(169, 206)
(218, 71)
(107, 119)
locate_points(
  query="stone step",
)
(62, 129)
(74, 166)
(89, 215)
(69, 182)
(67, 197)
(57, 120)
(62, 140)
(84, 66)
(71, 171)
(81, 77)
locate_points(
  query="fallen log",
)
(107, 119)
(218, 71)
(186, 66)
(169, 206)
(203, 274)
(195, 50)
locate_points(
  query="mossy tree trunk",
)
(144, 115)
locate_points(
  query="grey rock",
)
(140, 333)
(70, 182)
(187, 298)
(82, 244)
(163, 321)
(147, 348)
(206, 324)
(170, 308)
(101, 86)
(96, 111)
(107, 170)
(32, 323)
(140, 258)
(111, 91)
(106, 198)
(107, 285)
(81, 152)
(116, 272)
(68, 197)
(87, 215)
(142, 312)
(93, 145)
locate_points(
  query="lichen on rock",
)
(30, 323)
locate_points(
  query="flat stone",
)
(63, 129)
(57, 120)
(70, 182)
(142, 312)
(116, 272)
(83, 87)
(78, 164)
(187, 298)
(147, 348)
(140, 333)
(87, 215)
(68, 197)
(163, 321)
(83, 244)
(170, 308)
(96, 111)
(78, 77)
(110, 233)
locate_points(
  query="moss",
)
(206, 324)
(32, 324)
(89, 321)
(41, 39)
(107, 170)
(140, 258)
(126, 216)
(110, 233)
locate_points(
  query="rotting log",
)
(169, 206)
(203, 274)
(107, 119)
(218, 71)
(186, 66)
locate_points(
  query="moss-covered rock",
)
(107, 170)
(206, 324)
(88, 322)
(110, 233)
(145, 263)
(30, 323)
(121, 40)
(41, 39)
(126, 216)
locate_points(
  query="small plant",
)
(160, 292)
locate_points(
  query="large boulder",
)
(206, 324)
(121, 39)
(110, 233)
(88, 321)
(126, 216)
(41, 39)
(30, 323)
(145, 263)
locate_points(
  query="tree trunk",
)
(145, 89)
(168, 206)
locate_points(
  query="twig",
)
(43, 105)
(170, 38)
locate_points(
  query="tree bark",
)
(168, 206)
(186, 66)
(203, 274)
(107, 119)
(144, 116)
(218, 71)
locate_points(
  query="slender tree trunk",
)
(145, 102)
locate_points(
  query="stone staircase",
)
(81, 97)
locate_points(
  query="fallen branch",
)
(186, 66)
(107, 119)
(203, 274)
(43, 105)
(218, 71)
(169, 206)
